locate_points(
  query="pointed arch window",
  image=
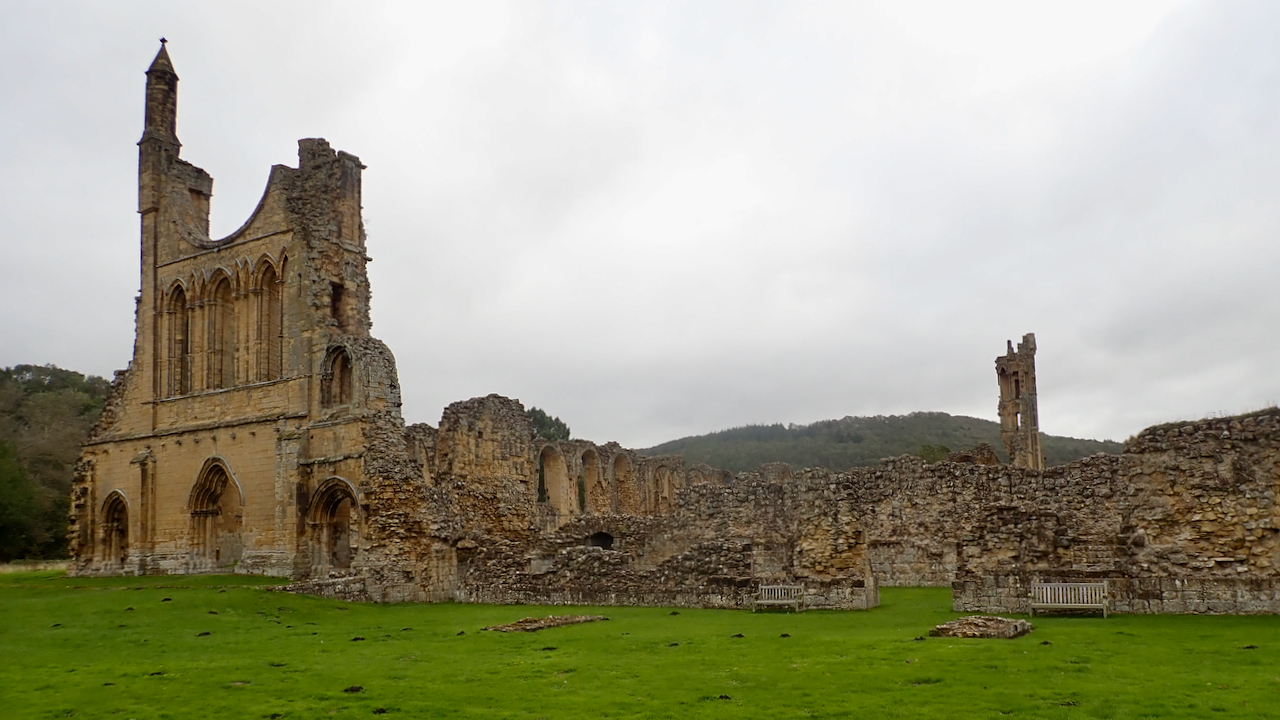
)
(178, 344)
(270, 324)
(222, 336)
(336, 380)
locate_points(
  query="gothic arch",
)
(223, 332)
(592, 490)
(265, 262)
(554, 487)
(334, 523)
(177, 340)
(268, 323)
(336, 378)
(216, 505)
(115, 529)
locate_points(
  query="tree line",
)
(862, 441)
(45, 414)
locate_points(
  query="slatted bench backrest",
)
(1091, 594)
(770, 593)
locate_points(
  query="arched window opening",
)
(593, 495)
(601, 540)
(553, 476)
(222, 336)
(215, 521)
(270, 325)
(624, 498)
(178, 352)
(661, 490)
(336, 381)
(335, 526)
(115, 530)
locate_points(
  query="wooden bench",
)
(1069, 596)
(779, 596)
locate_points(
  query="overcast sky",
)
(663, 219)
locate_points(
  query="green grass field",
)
(226, 647)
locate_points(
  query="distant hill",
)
(861, 441)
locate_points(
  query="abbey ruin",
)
(257, 430)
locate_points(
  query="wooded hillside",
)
(45, 413)
(861, 441)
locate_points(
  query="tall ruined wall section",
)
(925, 521)
(482, 510)
(484, 459)
(257, 428)
(1184, 521)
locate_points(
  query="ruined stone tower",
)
(235, 440)
(1019, 418)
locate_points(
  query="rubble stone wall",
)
(1184, 521)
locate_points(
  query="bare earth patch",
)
(983, 626)
(530, 624)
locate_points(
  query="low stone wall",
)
(33, 566)
(728, 596)
(350, 588)
(1197, 596)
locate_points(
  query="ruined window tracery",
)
(177, 367)
(336, 379)
(222, 336)
(270, 338)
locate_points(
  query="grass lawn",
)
(226, 647)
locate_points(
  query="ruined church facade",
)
(257, 430)
(232, 441)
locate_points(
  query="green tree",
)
(45, 414)
(19, 507)
(934, 453)
(546, 426)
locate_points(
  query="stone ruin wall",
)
(454, 514)
(1184, 521)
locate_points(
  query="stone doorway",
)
(334, 526)
(216, 516)
(115, 530)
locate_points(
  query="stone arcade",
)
(257, 429)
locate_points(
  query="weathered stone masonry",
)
(257, 429)
(237, 437)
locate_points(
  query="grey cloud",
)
(662, 219)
